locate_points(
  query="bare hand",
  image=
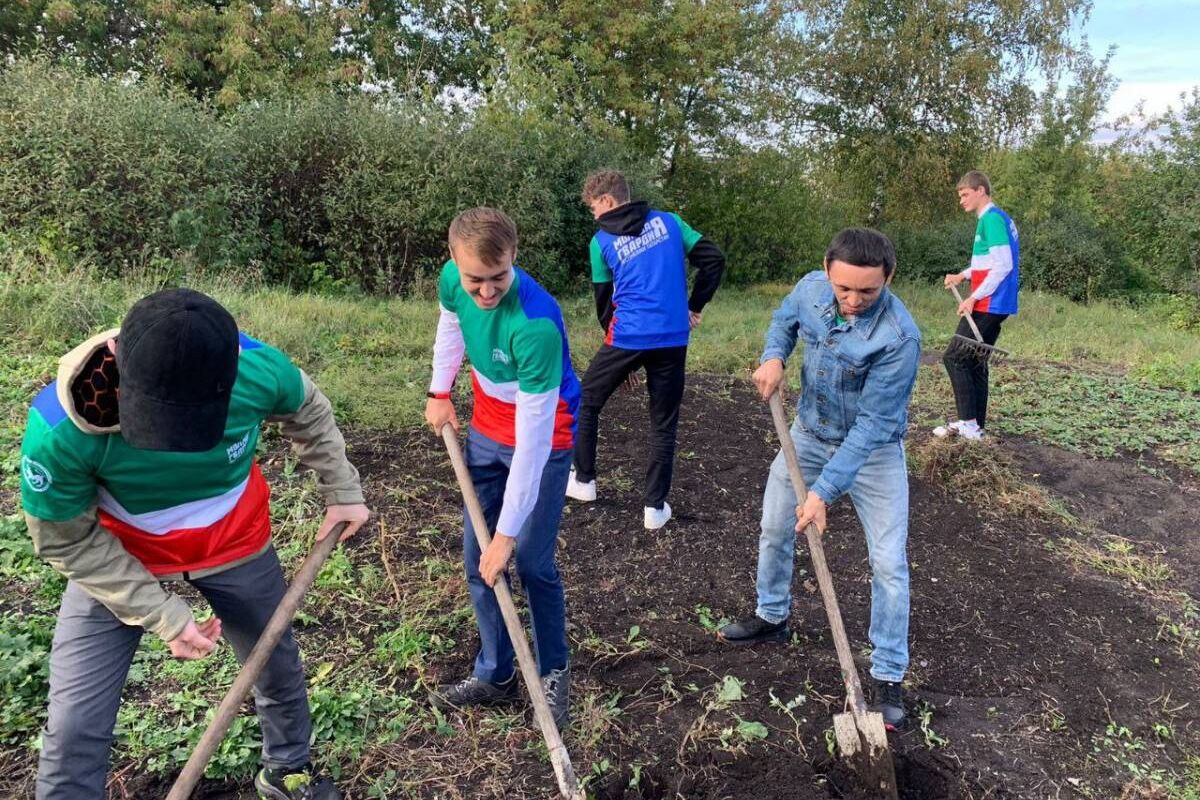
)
(953, 279)
(438, 413)
(196, 641)
(965, 307)
(811, 512)
(495, 559)
(768, 377)
(354, 515)
(694, 319)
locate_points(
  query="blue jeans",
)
(489, 462)
(880, 496)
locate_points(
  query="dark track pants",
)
(90, 660)
(967, 370)
(664, 385)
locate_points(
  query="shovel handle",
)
(854, 692)
(568, 784)
(970, 320)
(280, 621)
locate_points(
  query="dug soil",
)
(1032, 675)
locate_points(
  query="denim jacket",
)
(857, 376)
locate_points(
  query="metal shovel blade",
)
(981, 349)
(864, 745)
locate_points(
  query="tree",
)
(904, 92)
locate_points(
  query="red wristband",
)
(438, 395)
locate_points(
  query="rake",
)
(976, 346)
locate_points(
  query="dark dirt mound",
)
(1020, 661)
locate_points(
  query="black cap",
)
(177, 355)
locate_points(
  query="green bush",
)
(929, 252)
(121, 172)
(1072, 255)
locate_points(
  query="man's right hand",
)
(768, 377)
(953, 279)
(438, 413)
(196, 641)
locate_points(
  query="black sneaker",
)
(889, 701)
(474, 692)
(754, 630)
(557, 686)
(301, 784)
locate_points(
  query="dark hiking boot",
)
(754, 630)
(557, 686)
(301, 784)
(473, 691)
(889, 701)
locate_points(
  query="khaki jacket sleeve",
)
(87, 554)
(320, 446)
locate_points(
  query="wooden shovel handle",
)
(854, 692)
(280, 621)
(970, 320)
(568, 784)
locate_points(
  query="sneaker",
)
(301, 784)
(473, 691)
(655, 518)
(557, 686)
(754, 630)
(971, 431)
(583, 491)
(889, 701)
(949, 429)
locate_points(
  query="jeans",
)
(968, 371)
(90, 659)
(880, 496)
(664, 385)
(488, 462)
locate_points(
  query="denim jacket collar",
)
(865, 322)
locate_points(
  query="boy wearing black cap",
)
(138, 468)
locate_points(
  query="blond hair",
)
(488, 232)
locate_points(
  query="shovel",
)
(568, 784)
(977, 346)
(861, 735)
(227, 712)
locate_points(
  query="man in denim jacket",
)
(860, 363)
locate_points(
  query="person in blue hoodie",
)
(861, 352)
(639, 277)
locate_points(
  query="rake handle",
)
(568, 784)
(854, 691)
(280, 621)
(970, 320)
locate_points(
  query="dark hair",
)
(975, 180)
(488, 232)
(862, 247)
(605, 181)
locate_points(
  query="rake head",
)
(979, 349)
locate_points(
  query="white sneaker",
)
(577, 490)
(950, 429)
(971, 431)
(655, 518)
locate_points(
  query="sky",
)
(1158, 50)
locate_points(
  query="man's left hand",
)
(812, 510)
(495, 559)
(694, 319)
(965, 307)
(354, 515)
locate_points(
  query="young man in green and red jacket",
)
(138, 468)
(518, 448)
(639, 278)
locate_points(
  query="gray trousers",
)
(90, 660)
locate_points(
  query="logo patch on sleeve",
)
(36, 476)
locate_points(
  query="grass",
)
(374, 624)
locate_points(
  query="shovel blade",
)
(864, 745)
